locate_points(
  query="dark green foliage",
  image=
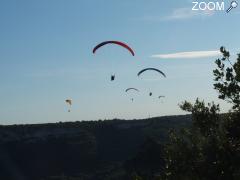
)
(210, 149)
(227, 79)
(94, 150)
(148, 162)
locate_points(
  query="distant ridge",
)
(89, 149)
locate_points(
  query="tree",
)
(210, 148)
(148, 162)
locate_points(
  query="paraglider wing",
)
(114, 42)
(128, 89)
(151, 69)
(68, 101)
(132, 89)
(161, 97)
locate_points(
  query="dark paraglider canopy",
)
(161, 97)
(151, 69)
(128, 89)
(68, 101)
(150, 94)
(114, 42)
(131, 89)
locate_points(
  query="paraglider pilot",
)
(112, 77)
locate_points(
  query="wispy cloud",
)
(180, 14)
(187, 13)
(191, 54)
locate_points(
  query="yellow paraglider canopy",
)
(69, 102)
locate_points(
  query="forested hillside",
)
(104, 149)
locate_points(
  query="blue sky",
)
(46, 57)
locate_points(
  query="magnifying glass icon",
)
(234, 4)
